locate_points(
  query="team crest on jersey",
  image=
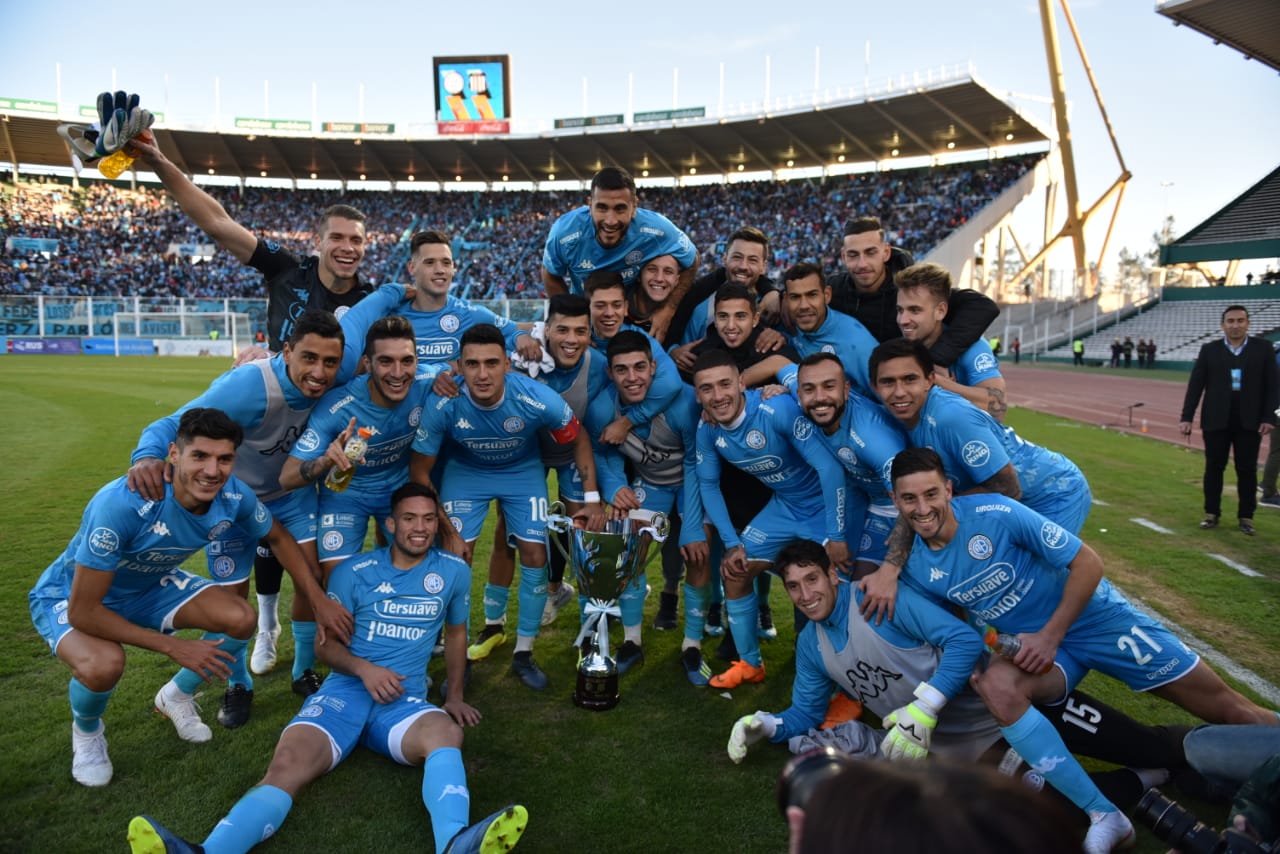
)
(641, 495)
(513, 424)
(333, 541)
(755, 439)
(311, 711)
(975, 453)
(449, 323)
(828, 348)
(457, 523)
(260, 514)
(865, 543)
(802, 428)
(1053, 534)
(846, 455)
(309, 441)
(984, 362)
(979, 547)
(223, 567)
(433, 583)
(415, 416)
(103, 541)
(633, 257)
(219, 529)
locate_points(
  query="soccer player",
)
(656, 283)
(924, 297)
(401, 597)
(821, 329)
(736, 329)
(610, 233)
(271, 400)
(1012, 569)
(773, 442)
(865, 440)
(489, 434)
(662, 456)
(327, 281)
(118, 582)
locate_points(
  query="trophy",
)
(605, 563)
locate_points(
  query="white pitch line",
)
(1238, 567)
(1219, 660)
(1101, 503)
(1147, 523)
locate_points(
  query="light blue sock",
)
(695, 610)
(631, 602)
(744, 614)
(1039, 744)
(255, 816)
(304, 647)
(444, 791)
(533, 598)
(496, 598)
(87, 706)
(188, 681)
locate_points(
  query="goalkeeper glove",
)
(748, 731)
(910, 728)
(120, 119)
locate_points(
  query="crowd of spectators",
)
(113, 241)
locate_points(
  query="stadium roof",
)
(1250, 26)
(1248, 227)
(938, 119)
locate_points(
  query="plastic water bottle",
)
(1004, 644)
(114, 165)
(339, 479)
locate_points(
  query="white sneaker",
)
(556, 601)
(90, 765)
(1108, 831)
(264, 651)
(185, 716)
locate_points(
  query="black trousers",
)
(1243, 445)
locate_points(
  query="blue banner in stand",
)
(128, 346)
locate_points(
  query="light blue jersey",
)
(666, 386)
(776, 444)
(140, 541)
(977, 364)
(848, 340)
(438, 333)
(399, 612)
(572, 251)
(974, 446)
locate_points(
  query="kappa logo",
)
(936, 574)
(979, 547)
(755, 440)
(433, 583)
(1053, 535)
(585, 264)
(975, 453)
(385, 587)
(451, 789)
(463, 424)
(450, 323)
(160, 529)
(721, 443)
(1048, 763)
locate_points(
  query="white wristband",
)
(591, 498)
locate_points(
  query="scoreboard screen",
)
(473, 93)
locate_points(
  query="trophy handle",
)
(562, 524)
(658, 528)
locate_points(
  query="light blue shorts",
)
(348, 715)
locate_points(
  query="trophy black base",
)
(596, 693)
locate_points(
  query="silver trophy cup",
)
(605, 563)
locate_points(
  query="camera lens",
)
(805, 772)
(1174, 825)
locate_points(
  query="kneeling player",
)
(375, 696)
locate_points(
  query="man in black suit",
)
(1237, 377)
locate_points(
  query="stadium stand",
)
(112, 240)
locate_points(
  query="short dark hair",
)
(430, 235)
(800, 553)
(315, 321)
(897, 348)
(568, 305)
(802, 270)
(1231, 308)
(340, 211)
(603, 280)
(736, 290)
(714, 358)
(818, 358)
(209, 423)
(628, 341)
(914, 461)
(750, 234)
(412, 489)
(613, 178)
(863, 224)
(483, 333)
(386, 328)
(933, 278)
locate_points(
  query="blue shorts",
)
(345, 712)
(1066, 501)
(344, 522)
(876, 526)
(153, 608)
(230, 556)
(521, 496)
(778, 524)
(1126, 645)
(569, 483)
